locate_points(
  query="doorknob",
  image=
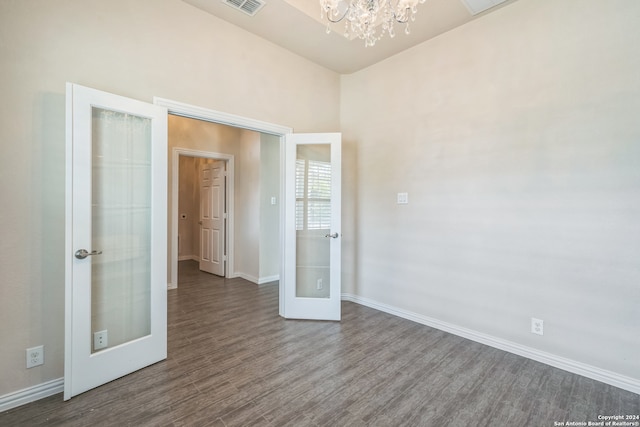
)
(332, 235)
(82, 253)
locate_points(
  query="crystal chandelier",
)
(364, 16)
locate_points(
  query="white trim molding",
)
(200, 113)
(268, 279)
(598, 374)
(31, 394)
(257, 280)
(248, 277)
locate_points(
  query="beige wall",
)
(139, 49)
(269, 214)
(247, 213)
(188, 208)
(517, 138)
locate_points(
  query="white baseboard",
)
(268, 279)
(31, 394)
(598, 374)
(245, 276)
(257, 280)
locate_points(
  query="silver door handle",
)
(332, 235)
(83, 253)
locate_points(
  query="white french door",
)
(312, 227)
(116, 225)
(212, 212)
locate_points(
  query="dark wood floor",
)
(234, 362)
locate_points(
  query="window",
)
(313, 195)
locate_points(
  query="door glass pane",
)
(121, 224)
(313, 220)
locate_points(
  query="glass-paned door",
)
(116, 237)
(312, 236)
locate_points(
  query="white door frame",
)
(229, 224)
(199, 113)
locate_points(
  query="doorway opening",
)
(205, 184)
(235, 266)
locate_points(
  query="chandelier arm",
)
(337, 20)
(401, 21)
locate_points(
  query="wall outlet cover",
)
(537, 326)
(35, 356)
(100, 340)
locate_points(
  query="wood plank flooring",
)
(234, 362)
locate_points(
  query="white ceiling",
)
(296, 25)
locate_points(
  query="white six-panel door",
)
(212, 217)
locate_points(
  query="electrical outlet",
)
(319, 285)
(35, 356)
(537, 326)
(100, 340)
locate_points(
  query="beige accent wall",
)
(517, 137)
(139, 49)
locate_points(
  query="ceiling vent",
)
(478, 6)
(250, 7)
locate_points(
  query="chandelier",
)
(364, 16)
